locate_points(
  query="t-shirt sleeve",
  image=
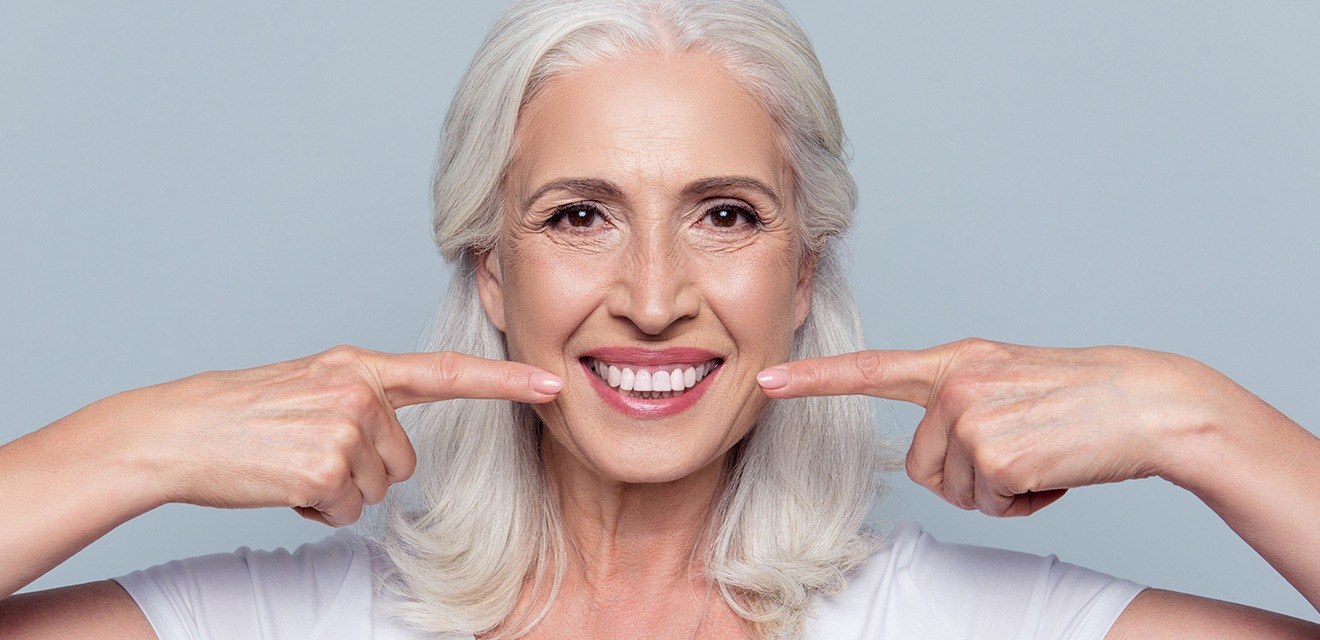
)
(974, 590)
(259, 594)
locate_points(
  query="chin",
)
(628, 454)
(649, 467)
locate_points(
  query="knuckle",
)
(355, 398)
(870, 367)
(957, 392)
(981, 349)
(963, 429)
(446, 368)
(326, 475)
(975, 344)
(301, 498)
(920, 473)
(405, 472)
(990, 506)
(339, 355)
(972, 431)
(351, 514)
(345, 437)
(956, 498)
(911, 468)
(997, 469)
(969, 345)
(407, 464)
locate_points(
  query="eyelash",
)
(562, 212)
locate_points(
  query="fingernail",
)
(773, 378)
(546, 383)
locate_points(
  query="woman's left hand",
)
(1008, 428)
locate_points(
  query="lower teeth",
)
(649, 395)
(646, 395)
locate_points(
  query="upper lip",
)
(652, 357)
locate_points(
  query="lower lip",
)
(644, 407)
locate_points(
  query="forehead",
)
(646, 121)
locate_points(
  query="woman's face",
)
(648, 228)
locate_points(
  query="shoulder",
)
(320, 589)
(917, 586)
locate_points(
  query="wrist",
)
(110, 442)
(1196, 455)
(1232, 436)
(1198, 446)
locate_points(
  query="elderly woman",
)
(633, 417)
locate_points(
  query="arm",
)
(318, 434)
(1009, 429)
(1259, 471)
(1170, 615)
(91, 611)
(67, 485)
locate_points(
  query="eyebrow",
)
(595, 187)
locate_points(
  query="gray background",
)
(185, 188)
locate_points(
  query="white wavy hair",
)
(480, 518)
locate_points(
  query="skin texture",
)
(652, 270)
(650, 266)
(1008, 428)
(318, 434)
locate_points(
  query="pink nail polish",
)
(546, 383)
(773, 378)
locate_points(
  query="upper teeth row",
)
(636, 378)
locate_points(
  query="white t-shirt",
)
(917, 587)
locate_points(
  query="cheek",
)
(753, 296)
(547, 297)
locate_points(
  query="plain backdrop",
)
(187, 187)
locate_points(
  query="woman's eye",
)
(579, 216)
(726, 216)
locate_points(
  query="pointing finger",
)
(896, 374)
(412, 378)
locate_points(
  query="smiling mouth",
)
(648, 381)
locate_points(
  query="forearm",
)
(1260, 471)
(65, 486)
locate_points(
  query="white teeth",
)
(660, 381)
(651, 384)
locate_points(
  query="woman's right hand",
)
(318, 434)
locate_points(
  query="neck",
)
(634, 555)
(633, 534)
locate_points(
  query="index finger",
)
(907, 375)
(413, 378)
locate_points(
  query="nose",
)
(655, 287)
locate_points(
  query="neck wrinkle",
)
(637, 534)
